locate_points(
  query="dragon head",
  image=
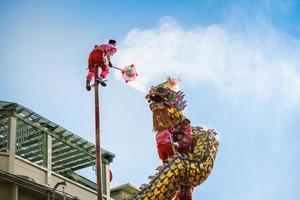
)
(164, 96)
(166, 103)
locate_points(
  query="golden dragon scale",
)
(190, 170)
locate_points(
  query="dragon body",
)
(183, 171)
(189, 171)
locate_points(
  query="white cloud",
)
(258, 63)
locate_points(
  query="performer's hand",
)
(176, 144)
(110, 65)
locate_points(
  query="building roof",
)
(128, 187)
(69, 151)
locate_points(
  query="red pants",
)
(184, 193)
(165, 151)
(97, 58)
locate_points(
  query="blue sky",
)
(240, 68)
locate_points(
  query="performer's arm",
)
(108, 59)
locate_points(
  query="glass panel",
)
(3, 133)
(31, 143)
(104, 182)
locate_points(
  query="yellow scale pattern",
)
(192, 169)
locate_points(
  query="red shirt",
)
(108, 49)
(164, 137)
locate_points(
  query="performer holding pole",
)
(100, 58)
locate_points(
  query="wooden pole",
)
(98, 144)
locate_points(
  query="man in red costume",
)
(169, 141)
(165, 146)
(100, 57)
(183, 137)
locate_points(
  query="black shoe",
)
(88, 85)
(102, 81)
